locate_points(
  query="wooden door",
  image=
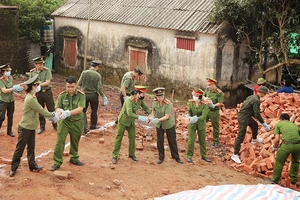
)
(70, 51)
(138, 58)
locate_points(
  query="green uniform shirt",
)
(216, 97)
(44, 75)
(201, 110)
(127, 115)
(128, 82)
(67, 102)
(6, 83)
(32, 109)
(289, 130)
(161, 110)
(251, 107)
(90, 81)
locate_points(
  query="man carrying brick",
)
(249, 109)
(290, 145)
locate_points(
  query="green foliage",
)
(264, 25)
(33, 14)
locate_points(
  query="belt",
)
(288, 142)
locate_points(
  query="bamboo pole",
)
(87, 35)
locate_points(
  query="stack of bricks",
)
(258, 159)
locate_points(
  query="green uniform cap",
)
(39, 59)
(5, 67)
(139, 70)
(261, 81)
(141, 88)
(197, 92)
(263, 89)
(159, 91)
(32, 80)
(211, 80)
(96, 62)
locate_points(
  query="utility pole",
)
(87, 36)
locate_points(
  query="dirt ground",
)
(98, 178)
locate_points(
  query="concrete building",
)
(173, 40)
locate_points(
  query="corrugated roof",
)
(183, 15)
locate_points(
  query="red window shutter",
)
(187, 44)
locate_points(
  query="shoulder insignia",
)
(166, 101)
(33, 70)
(80, 91)
(45, 68)
(63, 92)
(218, 90)
(131, 98)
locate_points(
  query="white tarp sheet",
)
(236, 192)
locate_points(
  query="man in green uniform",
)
(127, 119)
(217, 97)
(90, 82)
(249, 109)
(28, 125)
(290, 145)
(70, 105)
(197, 113)
(162, 110)
(7, 101)
(127, 84)
(45, 96)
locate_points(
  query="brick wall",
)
(8, 33)
(18, 51)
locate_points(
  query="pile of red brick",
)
(258, 159)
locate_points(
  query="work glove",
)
(55, 118)
(274, 148)
(18, 88)
(267, 128)
(155, 121)
(143, 119)
(105, 100)
(65, 114)
(211, 105)
(193, 119)
(125, 97)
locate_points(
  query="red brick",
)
(268, 163)
(247, 168)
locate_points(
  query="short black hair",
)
(287, 82)
(284, 116)
(71, 79)
(29, 88)
(134, 92)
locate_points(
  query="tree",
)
(33, 14)
(263, 25)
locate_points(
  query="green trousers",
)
(200, 128)
(118, 140)
(282, 154)
(66, 127)
(214, 117)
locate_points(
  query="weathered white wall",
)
(190, 67)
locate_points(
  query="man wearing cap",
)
(70, 104)
(249, 109)
(217, 98)
(45, 96)
(289, 133)
(260, 82)
(197, 113)
(28, 125)
(7, 101)
(162, 109)
(126, 121)
(90, 82)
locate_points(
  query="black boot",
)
(54, 126)
(9, 132)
